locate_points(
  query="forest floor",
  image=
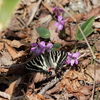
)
(79, 81)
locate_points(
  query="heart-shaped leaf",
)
(43, 32)
(56, 46)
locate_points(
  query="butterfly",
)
(46, 62)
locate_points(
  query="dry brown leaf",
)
(24, 97)
(96, 24)
(21, 35)
(93, 12)
(33, 97)
(70, 85)
(55, 89)
(40, 97)
(1, 45)
(14, 25)
(3, 70)
(34, 35)
(54, 35)
(64, 2)
(71, 81)
(45, 20)
(88, 5)
(38, 77)
(75, 75)
(13, 52)
(78, 17)
(48, 7)
(37, 97)
(83, 98)
(6, 59)
(12, 87)
(97, 45)
(85, 63)
(90, 73)
(83, 93)
(85, 90)
(6, 41)
(17, 44)
(71, 31)
(95, 3)
(30, 88)
(97, 55)
(4, 96)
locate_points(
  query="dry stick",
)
(49, 85)
(33, 12)
(56, 2)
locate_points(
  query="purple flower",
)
(57, 11)
(72, 58)
(49, 46)
(60, 23)
(40, 48)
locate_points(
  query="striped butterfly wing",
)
(43, 62)
(56, 58)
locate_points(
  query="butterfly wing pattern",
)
(42, 62)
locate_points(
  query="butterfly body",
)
(46, 62)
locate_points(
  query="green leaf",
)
(80, 37)
(56, 46)
(6, 10)
(86, 28)
(43, 32)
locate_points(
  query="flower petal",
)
(34, 44)
(72, 62)
(57, 24)
(33, 49)
(76, 55)
(69, 54)
(59, 18)
(49, 45)
(68, 61)
(38, 51)
(60, 27)
(42, 45)
(76, 61)
(54, 9)
(43, 50)
(62, 22)
(61, 10)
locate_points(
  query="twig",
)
(48, 86)
(78, 27)
(35, 8)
